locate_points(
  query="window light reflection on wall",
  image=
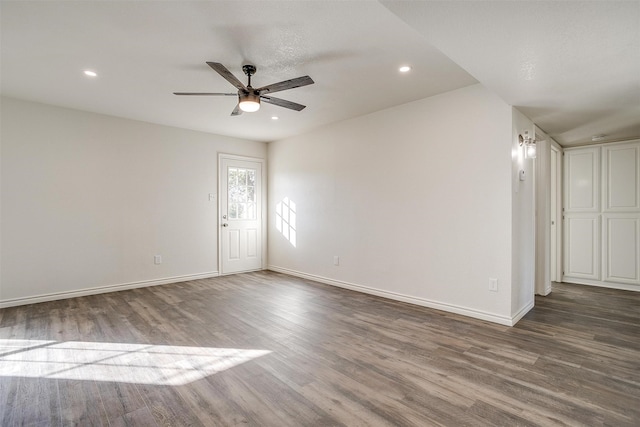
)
(286, 220)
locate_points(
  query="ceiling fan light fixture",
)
(248, 97)
(249, 103)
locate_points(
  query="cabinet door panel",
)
(621, 178)
(582, 246)
(621, 248)
(582, 180)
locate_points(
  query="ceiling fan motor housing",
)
(249, 97)
(249, 69)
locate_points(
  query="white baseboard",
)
(465, 311)
(520, 314)
(103, 289)
(546, 292)
(589, 282)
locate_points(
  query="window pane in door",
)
(242, 213)
(234, 195)
(241, 192)
(242, 177)
(233, 177)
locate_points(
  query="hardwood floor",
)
(266, 349)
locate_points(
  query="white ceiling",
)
(145, 50)
(572, 67)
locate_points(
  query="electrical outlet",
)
(157, 259)
(493, 285)
(336, 260)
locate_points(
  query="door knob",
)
(225, 225)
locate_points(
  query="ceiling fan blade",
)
(205, 94)
(287, 84)
(236, 111)
(283, 103)
(222, 70)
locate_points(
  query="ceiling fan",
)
(248, 97)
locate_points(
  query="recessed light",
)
(404, 69)
(90, 73)
(596, 138)
(274, 117)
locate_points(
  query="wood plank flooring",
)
(267, 349)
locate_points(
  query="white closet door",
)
(621, 213)
(582, 214)
(602, 215)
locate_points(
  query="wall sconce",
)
(529, 145)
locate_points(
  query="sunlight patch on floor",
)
(118, 362)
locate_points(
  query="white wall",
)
(416, 201)
(523, 220)
(88, 200)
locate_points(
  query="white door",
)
(621, 213)
(240, 217)
(582, 214)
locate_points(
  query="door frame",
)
(557, 192)
(542, 214)
(543, 194)
(263, 201)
